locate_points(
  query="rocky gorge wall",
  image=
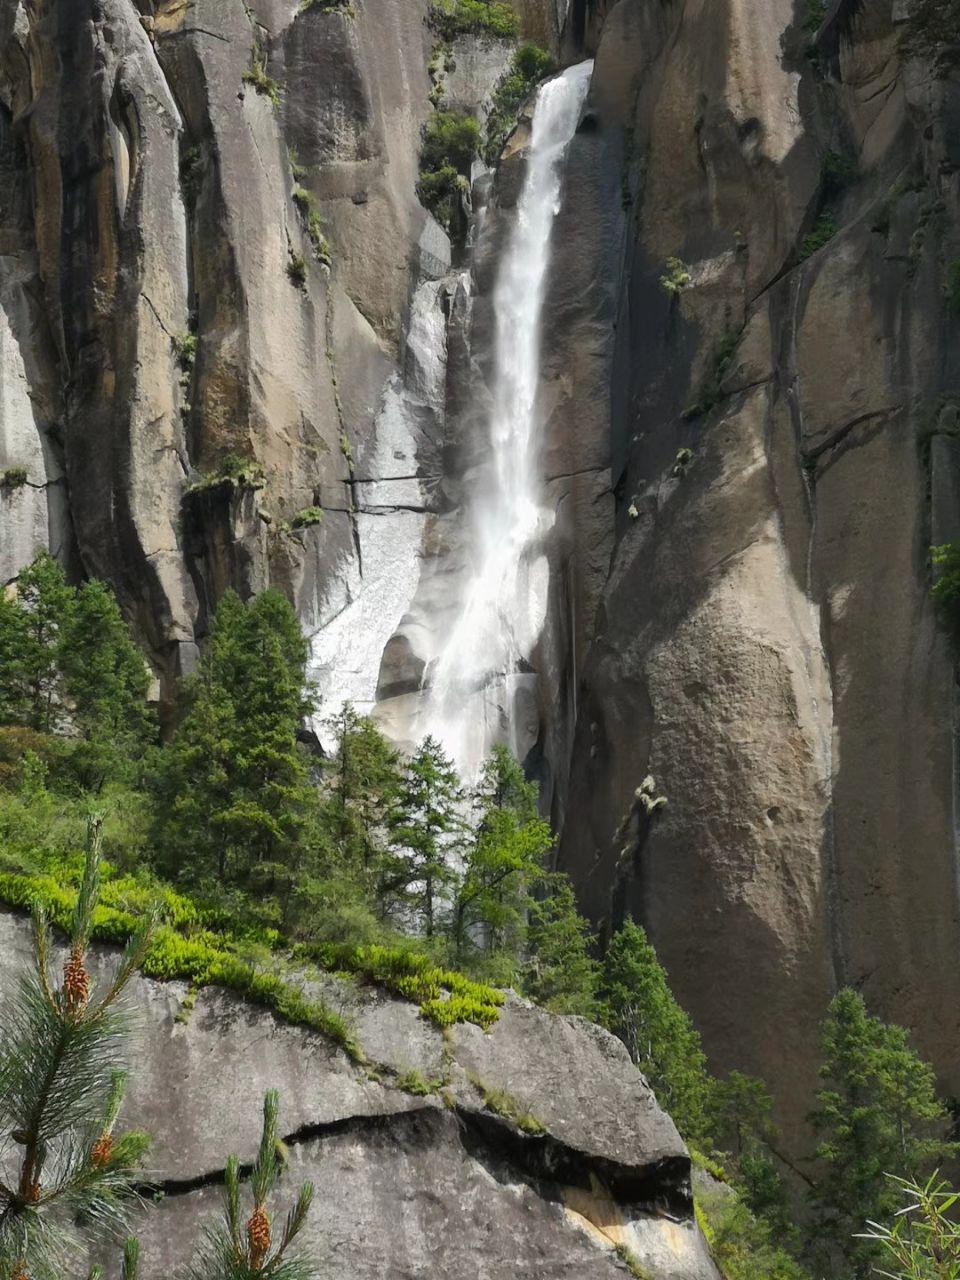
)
(750, 623)
(766, 645)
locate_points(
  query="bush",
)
(825, 228)
(946, 589)
(309, 516)
(13, 478)
(264, 85)
(528, 67)
(451, 18)
(451, 139)
(676, 278)
(234, 472)
(297, 270)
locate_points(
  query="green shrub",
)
(529, 65)
(313, 224)
(946, 588)
(234, 472)
(932, 31)
(451, 18)
(676, 278)
(710, 392)
(743, 1246)
(297, 270)
(13, 478)
(825, 228)
(307, 517)
(416, 1084)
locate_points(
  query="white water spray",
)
(477, 680)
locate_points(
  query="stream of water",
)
(476, 681)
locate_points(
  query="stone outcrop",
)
(765, 644)
(438, 1184)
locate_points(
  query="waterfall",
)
(481, 676)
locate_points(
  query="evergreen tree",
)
(46, 601)
(14, 641)
(427, 832)
(558, 971)
(639, 1008)
(878, 1115)
(62, 1082)
(362, 784)
(503, 863)
(235, 802)
(106, 681)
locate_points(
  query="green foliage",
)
(239, 1248)
(676, 278)
(825, 228)
(234, 472)
(558, 971)
(451, 139)
(297, 270)
(451, 18)
(504, 863)
(426, 833)
(307, 517)
(67, 1178)
(529, 65)
(632, 1262)
(13, 478)
(31, 632)
(710, 393)
(505, 1105)
(234, 801)
(417, 1085)
(932, 31)
(946, 588)
(877, 1114)
(743, 1246)
(923, 1240)
(258, 78)
(306, 206)
(639, 1008)
(837, 172)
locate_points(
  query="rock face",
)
(433, 1185)
(765, 644)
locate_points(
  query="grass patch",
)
(312, 224)
(306, 518)
(257, 77)
(505, 1105)
(416, 1084)
(711, 392)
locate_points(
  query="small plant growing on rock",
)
(647, 798)
(528, 66)
(682, 461)
(13, 478)
(297, 270)
(676, 278)
(451, 139)
(825, 228)
(258, 78)
(306, 518)
(234, 472)
(313, 223)
(451, 18)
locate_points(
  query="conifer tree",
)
(106, 681)
(504, 862)
(68, 1176)
(639, 1008)
(362, 784)
(558, 971)
(45, 600)
(235, 803)
(427, 830)
(878, 1115)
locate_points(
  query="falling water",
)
(477, 680)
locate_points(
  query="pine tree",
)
(241, 1250)
(639, 1008)
(105, 680)
(426, 833)
(14, 641)
(46, 601)
(362, 784)
(558, 971)
(235, 803)
(504, 862)
(62, 1082)
(878, 1115)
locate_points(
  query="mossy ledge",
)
(197, 945)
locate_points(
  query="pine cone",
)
(33, 1193)
(76, 982)
(20, 1272)
(101, 1151)
(258, 1234)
